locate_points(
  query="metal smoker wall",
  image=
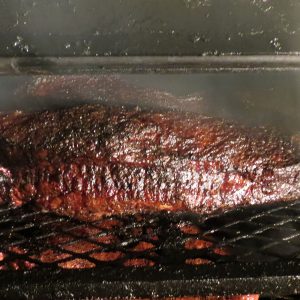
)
(133, 27)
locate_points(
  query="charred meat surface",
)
(92, 160)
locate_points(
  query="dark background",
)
(148, 27)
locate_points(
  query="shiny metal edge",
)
(145, 64)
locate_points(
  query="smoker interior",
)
(268, 98)
(152, 27)
(253, 250)
(85, 29)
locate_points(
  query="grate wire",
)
(34, 239)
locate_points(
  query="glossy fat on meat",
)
(92, 160)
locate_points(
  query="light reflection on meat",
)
(145, 162)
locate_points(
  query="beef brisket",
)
(93, 160)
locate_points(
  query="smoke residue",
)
(267, 99)
(60, 91)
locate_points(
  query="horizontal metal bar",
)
(145, 64)
(277, 279)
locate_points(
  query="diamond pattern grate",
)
(32, 239)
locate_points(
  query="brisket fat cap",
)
(92, 160)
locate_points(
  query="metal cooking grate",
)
(33, 239)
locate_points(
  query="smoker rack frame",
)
(146, 64)
(270, 279)
(228, 279)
